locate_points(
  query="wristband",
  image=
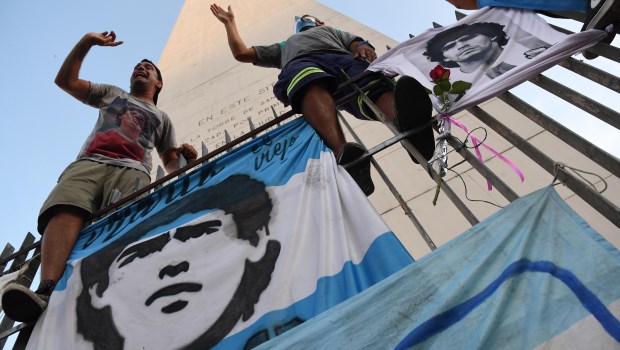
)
(365, 42)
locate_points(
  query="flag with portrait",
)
(240, 250)
(487, 52)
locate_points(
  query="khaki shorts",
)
(90, 186)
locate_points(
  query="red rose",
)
(440, 73)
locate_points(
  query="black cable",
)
(467, 196)
(464, 145)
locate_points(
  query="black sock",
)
(46, 287)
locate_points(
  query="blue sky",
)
(46, 127)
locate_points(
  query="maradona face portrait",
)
(186, 287)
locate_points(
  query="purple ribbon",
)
(477, 143)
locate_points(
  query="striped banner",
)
(229, 256)
(532, 276)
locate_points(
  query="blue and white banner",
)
(532, 276)
(493, 49)
(242, 249)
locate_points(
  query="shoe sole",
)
(413, 110)
(600, 14)
(598, 22)
(360, 172)
(19, 306)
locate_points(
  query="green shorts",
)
(90, 186)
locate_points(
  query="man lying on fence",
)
(311, 61)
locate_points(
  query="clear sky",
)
(46, 127)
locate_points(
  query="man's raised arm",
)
(241, 52)
(465, 4)
(68, 75)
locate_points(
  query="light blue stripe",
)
(525, 311)
(448, 318)
(385, 256)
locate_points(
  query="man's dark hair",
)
(250, 205)
(158, 77)
(307, 15)
(434, 47)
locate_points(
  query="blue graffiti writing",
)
(267, 153)
(448, 318)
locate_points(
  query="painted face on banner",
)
(469, 47)
(171, 287)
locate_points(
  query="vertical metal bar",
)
(24, 333)
(275, 114)
(22, 339)
(465, 211)
(8, 250)
(583, 102)
(160, 174)
(18, 261)
(227, 139)
(598, 202)
(392, 188)
(7, 323)
(19, 328)
(592, 73)
(252, 127)
(602, 158)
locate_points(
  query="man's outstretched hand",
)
(365, 52)
(102, 39)
(223, 16)
(465, 4)
(188, 151)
